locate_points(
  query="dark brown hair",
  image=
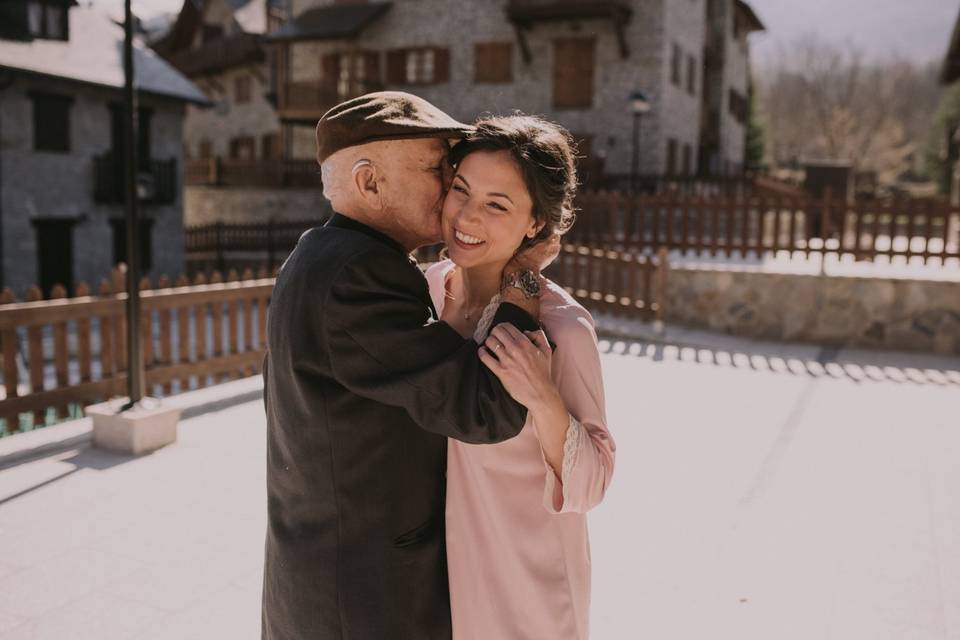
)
(546, 155)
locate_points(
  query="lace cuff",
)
(571, 449)
(486, 318)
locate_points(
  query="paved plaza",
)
(761, 492)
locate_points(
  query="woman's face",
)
(488, 210)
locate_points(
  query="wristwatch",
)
(525, 280)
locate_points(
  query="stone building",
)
(61, 184)
(237, 167)
(575, 61)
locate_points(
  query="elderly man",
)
(363, 385)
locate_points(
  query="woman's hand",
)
(522, 363)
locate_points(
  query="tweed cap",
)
(385, 115)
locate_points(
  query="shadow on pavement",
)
(859, 366)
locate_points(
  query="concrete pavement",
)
(761, 491)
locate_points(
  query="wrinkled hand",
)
(536, 258)
(522, 363)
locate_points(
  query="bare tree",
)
(823, 101)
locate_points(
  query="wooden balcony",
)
(524, 14)
(269, 174)
(217, 55)
(308, 101)
(156, 184)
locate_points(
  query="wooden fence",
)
(865, 230)
(63, 353)
(623, 284)
(220, 244)
(226, 172)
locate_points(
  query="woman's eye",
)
(459, 189)
(497, 206)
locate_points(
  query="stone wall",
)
(43, 185)
(882, 313)
(206, 205)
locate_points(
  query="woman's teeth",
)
(464, 238)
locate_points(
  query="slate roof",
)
(332, 21)
(94, 54)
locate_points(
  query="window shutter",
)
(573, 71)
(493, 62)
(331, 68)
(397, 66)
(371, 67)
(441, 65)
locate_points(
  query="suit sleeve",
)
(385, 345)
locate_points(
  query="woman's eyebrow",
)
(462, 179)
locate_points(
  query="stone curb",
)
(22, 447)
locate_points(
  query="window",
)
(243, 148)
(241, 89)
(691, 75)
(426, 65)
(493, 62)
(46, 19)
(676, 59)
(573, 69)
(738, 106)
(51, 122)
(145, 228)
(687, 160)
(270, 146)
(351, 73)
(671, 157)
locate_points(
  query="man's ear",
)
(365, 183)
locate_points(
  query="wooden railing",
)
(217, 55)
(311, 99)
(61, 354)
(220, 243)
(865, 230)
(223, 172)
(623, 284)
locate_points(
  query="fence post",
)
(663, 263)
(270, 256)
(218, 242)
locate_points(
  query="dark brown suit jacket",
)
(362, 387)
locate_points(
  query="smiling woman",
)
(507, 541)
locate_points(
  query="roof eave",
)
(202, 102)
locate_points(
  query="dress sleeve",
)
(589, 450)
(385, 344)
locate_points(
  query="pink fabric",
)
(517, 544)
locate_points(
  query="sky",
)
(918, 30)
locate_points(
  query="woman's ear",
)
(535, 229)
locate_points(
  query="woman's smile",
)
(466, 240)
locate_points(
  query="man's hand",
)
(536, 258)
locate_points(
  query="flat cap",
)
(384, 115)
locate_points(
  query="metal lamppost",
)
(639, 106)
(135, 373)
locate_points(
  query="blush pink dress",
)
(517, 545)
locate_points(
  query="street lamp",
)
(135, 373)
(639, 105)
